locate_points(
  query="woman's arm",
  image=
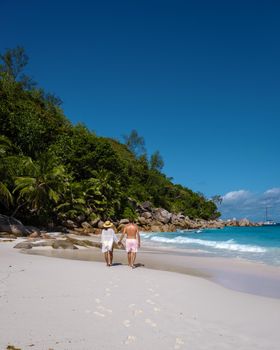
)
(115, 238)
(122, 236)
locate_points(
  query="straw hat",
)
(107, 224)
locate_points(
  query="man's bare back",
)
(131, 231)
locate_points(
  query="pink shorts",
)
(131, 245)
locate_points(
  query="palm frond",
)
(5, 195)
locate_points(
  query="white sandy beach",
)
(51, 303)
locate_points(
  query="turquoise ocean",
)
(261, 244)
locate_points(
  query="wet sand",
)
(240, 275)
(66, 304)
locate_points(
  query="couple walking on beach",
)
(132, 243)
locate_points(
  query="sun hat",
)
(107, 224)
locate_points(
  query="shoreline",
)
(236, 274)
(66, 304)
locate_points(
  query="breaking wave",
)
(226, 245)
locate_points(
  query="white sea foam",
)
(145, 235)
(226, 245)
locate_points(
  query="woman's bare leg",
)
(106, 255)
(111, 257)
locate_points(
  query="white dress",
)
(107, 239)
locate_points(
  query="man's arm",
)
(138, 236)
(122, 236)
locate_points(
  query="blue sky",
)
(199, 80)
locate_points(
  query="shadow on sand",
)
(138, 265)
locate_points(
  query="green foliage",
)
(28, 120)
(5, 195)
(52, 170)
(72, 203)
(42, 186)
(217, 199)
(83, 152)
(156, 162)
(129, 213)
(9, 165)
(13, 62)
(135, 143)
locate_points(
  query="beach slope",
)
(51, 303)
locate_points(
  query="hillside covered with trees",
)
(52, 170)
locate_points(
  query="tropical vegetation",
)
(52, 170)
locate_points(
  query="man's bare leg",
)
(133, 257)
(129, 258)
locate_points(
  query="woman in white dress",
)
(108, 237)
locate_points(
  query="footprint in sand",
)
(102, 308)
(150, 322)
(178, 343)
(99, 314)
(149, 301)
(130, 339)
(137, 312)
(126, 323)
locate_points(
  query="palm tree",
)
(73, 202)
(6, 196)
(103, 193)
(43, 187)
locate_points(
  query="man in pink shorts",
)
(132, 243)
